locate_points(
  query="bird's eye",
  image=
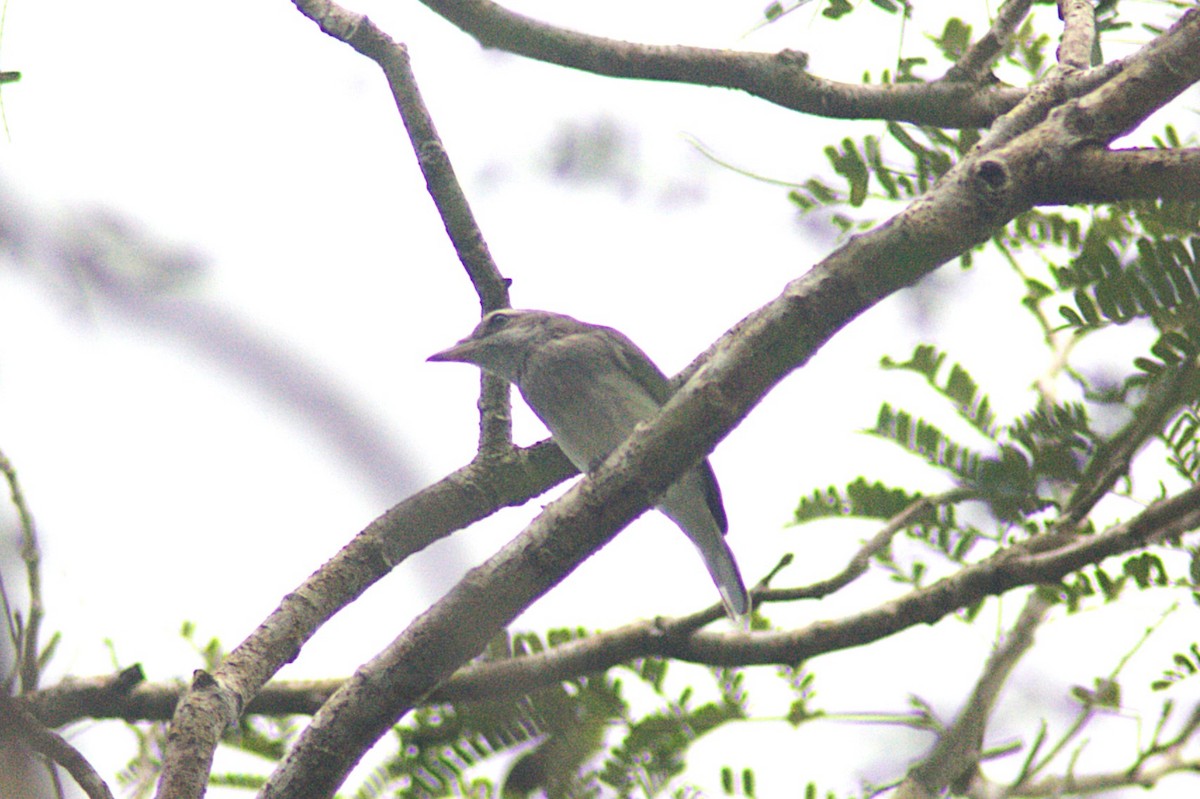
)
(497, 321)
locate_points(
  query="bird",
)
(591, 385)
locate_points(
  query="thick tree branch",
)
(780, 78)
(1095, 175)
(110, 696)
(1079, 34)
(114, 697)
(458, 500)
(17, 722)
(1044, 97)
(669, 638)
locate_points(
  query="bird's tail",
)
(684, 504)
(718, 558)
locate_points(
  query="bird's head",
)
(504, 339)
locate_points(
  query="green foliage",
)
(836, 9)
(811, 792)
(1039, 229)
(1105, 693)
(1006, 480)
(814, 194)
(727, 783)
(1146, 570)
(934, 524)
(1137, 260)
(960, 388)
(653, 750)
(571, 739)
(249, 782)
(439, 744)
(1187, 664)
(931, 158)
(803, 686)
(928, 153)
(1026, 465)
(1027, 49)
(955, 38)
(267, 738)
(1158, 281)
(849, 164)
(860, 499)
(211, 652)
(138, 777)
(1117, 264)
(1058, 438)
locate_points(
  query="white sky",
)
(169, 487)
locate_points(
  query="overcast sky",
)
(200, 429)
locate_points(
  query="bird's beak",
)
(460, 352)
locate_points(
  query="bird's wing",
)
(712, 495)
(631, 360)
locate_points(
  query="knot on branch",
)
(993, 174)
(796, 59)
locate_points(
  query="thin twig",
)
(859, 564)
(1112, 459)
(356, 30)
(27, 646)
(980, 55)
(955, 758)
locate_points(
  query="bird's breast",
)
(588, 410)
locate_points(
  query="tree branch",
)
(973, 199)
(1079, 34)
(955, 758)
(979, 57)
(862, 559)
(780, 78)
(495, 423)
(458, 500)
(1143, 775)
(1012, 568)
(1044, 97)
(25, 640)
(440, 180)
(1094, 175)
(1008, 569)
(18, 722)
(1111, 461)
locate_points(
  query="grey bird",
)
(591, 385)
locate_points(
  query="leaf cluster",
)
(578, 738)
